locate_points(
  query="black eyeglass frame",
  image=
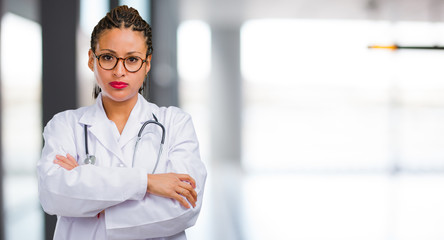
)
(118, 59)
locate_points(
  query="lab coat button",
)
(121, 165)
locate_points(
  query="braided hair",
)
(122, 17)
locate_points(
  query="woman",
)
(102, 180)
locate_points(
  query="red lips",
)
(118, 85)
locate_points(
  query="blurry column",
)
(164, 78)
(59, 24)
(225, 110)
(59, 84)
(2, 212)
(113, 4)
(226, 94)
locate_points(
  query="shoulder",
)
(170, 114)
(66, 118)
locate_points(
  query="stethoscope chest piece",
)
(90, 159)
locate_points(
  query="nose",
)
(119, 70)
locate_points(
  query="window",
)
(317, 99)
(21, 125)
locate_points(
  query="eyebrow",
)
(114, 52)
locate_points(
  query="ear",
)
(91, 58)
(148, 64)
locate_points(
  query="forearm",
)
(152, 217)
(88, 189)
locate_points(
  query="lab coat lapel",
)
(99, 126)
(140, 113)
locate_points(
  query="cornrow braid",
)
(122, 17)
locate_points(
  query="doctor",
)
(115, 194)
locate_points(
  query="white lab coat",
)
(114, 183)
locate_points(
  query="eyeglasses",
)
(108, 62)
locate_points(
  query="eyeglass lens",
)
(131, 63)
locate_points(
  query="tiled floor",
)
(313, 206)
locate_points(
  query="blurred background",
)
(305, 131)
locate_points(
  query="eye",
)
(132, 60)
(107, 57)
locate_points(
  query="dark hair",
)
(122, 17)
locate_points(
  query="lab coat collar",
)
(99, 125)
(141, 112)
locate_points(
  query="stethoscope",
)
(91, 159)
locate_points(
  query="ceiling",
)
(237, 11)
(226, 12)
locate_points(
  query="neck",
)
(118, 112)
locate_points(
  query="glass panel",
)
(21, 125)
(90, 14)
(318, 101)
(194, 64)
(316, 98)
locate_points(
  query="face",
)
(118, 84)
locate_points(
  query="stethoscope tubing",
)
(139, 135)
(86, 140)
(90, 159)
(162, 141)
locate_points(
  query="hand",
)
(67, 162)
(174, 186)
